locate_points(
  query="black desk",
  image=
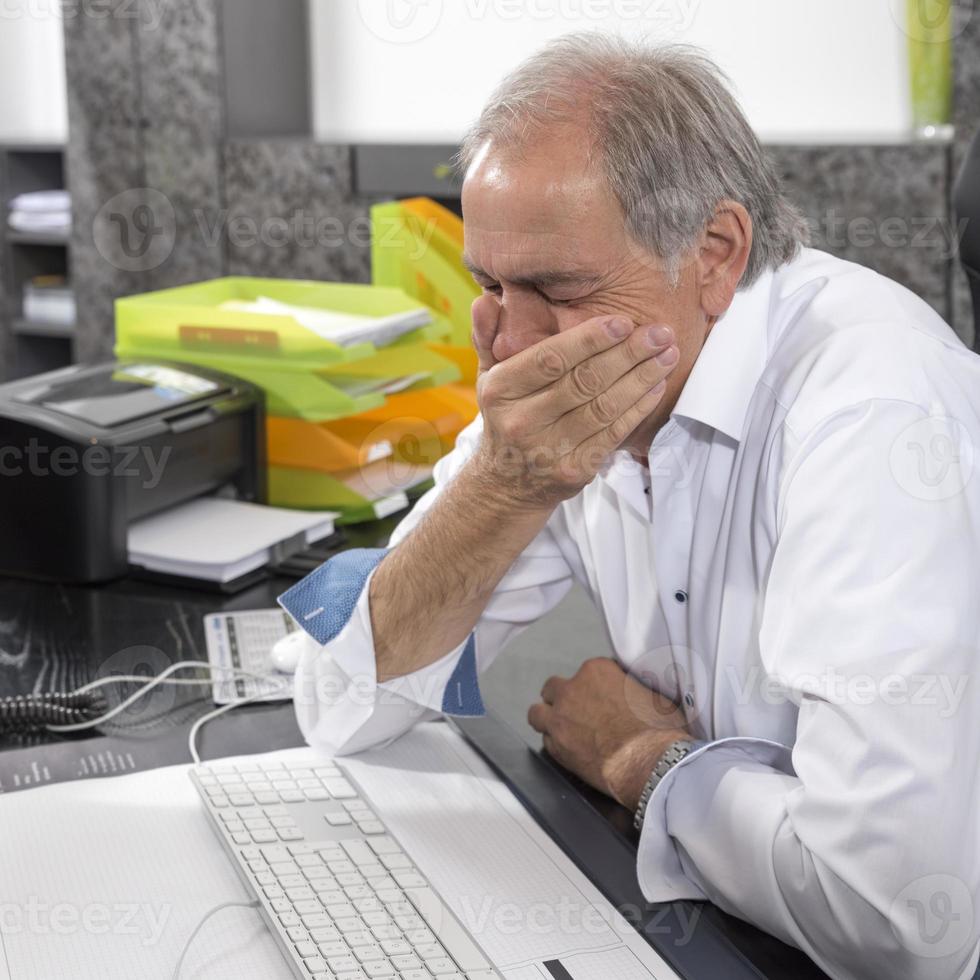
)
(56, 638)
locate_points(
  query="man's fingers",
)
(598, 446)
(486, 317)
(591, 379)
(551, 688)
(538, 716)
(551, 359)
(608, 408)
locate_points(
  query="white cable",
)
(202, 923)
(204, 719)
(147, 686)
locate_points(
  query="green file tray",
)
(301, 373)
(411, 252)
(301, 489)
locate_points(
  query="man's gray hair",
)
(670, 137)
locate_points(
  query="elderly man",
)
(756, 458)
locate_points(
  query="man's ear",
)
(723, 256)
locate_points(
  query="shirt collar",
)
(724, 377)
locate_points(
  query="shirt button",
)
(680, 595)
(689, 699)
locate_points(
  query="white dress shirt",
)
(798, 569)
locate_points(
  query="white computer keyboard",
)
(342, 897)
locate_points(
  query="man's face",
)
(547, 237)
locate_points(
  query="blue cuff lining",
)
(462, 694)
(324, 601)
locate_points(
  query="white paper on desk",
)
(216, 539)
(142, 841)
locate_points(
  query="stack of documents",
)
(344, 329)
(220, 540)
(41, 212)
(49, 299)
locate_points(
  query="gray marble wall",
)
(144, 154)
(966, 119)
(885, 207)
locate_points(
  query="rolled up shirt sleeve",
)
(340, 706)
(858, 843)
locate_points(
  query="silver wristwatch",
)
(675, 752)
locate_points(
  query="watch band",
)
(673, 754)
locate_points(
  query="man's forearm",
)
(428, 593)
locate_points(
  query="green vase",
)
(929, 29)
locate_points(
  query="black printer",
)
(86, 450)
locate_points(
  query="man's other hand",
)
(607, 728)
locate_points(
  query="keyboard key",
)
(393, 861)
(276, 811)
(358, 852)
(307, 949)
(299, 894)
(344, 911)
(367, 953)
(381, 969)
(409, 879)
(334, 896)
(264, 836)
(415, 975)
(441, 966)
(242, 837)
(338, 818)
(240, 799)
(309, 860)
(372, 827)
(408, 961)
(219, 800)
(287, 833)
(292, 796)
(275, 854)
(266, 796)
(340, 789)
(338, 964)
(335, 948)
(298, 934)
(324, 934)
(308, 905)
(396, 947)
(315, 964)
(356, 804)
(317, 920)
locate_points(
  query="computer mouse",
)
(286, 653)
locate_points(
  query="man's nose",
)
(524, 321)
